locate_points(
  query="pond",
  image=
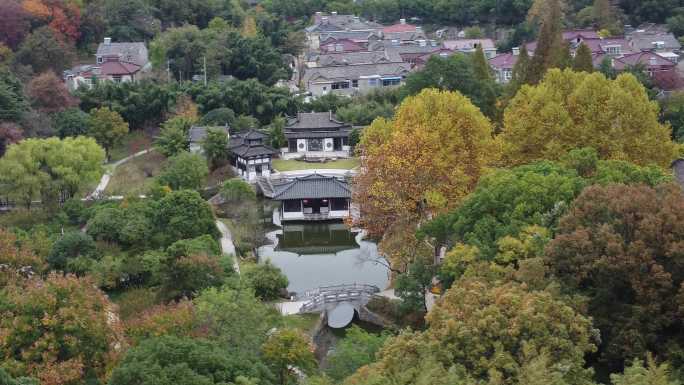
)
(323, 254)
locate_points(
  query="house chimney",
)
(108, 40)
(652, 61)
(334, 13)
(419, 28)
(402, 21)
(330, 114)
(516, 51)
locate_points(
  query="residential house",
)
(313, 197)
(660, 69)
(110, 70)
(316, 134)
(403, 32)
(361, 38)
(352, 58)
(127, 52)
(341, 45)
(420, 61)
(325, 24)
(250, 156)
(656, 38)
(470, 45)
(503, 65)
(352, 79)
(408, 52)
(197, 134)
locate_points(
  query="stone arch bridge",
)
(339, 302)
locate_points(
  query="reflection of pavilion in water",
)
(316, 238)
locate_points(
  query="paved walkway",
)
(104, 181)
(227, 245)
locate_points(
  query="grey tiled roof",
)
(356, 71)
(352, 58)
(314, 121)
(351, 35)
(130, 52)
(238, 145)
(248, 151)
(387, 45)
(311, 187)
(197, 134)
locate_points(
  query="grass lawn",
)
(135, 141)
(303, 322)
(292, 165)
(135, 176)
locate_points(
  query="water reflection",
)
(321, 254)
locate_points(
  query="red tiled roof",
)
(118, 68)
(504, 61)
(649, 59)
(583, 33)
(399, 28)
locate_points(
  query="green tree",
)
(71, 122)
(50, 168)
(215, 146)
(245, 123)
(286, 349)
(107, 127)
(455, 73)
(237, 191)
(236, 319)
(608, 249)
(583, 60)
(276, 134)
(172, 140)
(185, 171)
(12, 100)
(185, 361)
(219, 117)
(267, 280)
(183, 214)
(59, 330)
(142, 104)
(673, 113)
(356, 349)
(638, 374)
(489, 333)
(43, 51)
(571, 110)
(6, 379)
(74, 245)
(414, 284)
(549, 51)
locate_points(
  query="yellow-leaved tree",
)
(422, 162)
(569, 110)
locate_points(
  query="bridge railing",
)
(322, 296)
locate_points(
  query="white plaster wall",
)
(339, 213)
(299, 145)
(328, 144)
(298, 215)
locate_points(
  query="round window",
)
(328, 145)
(301, 146)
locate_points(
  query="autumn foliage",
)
(623, 247)
(423, 161)
(569, 110)
(62, 16)
(61, 330)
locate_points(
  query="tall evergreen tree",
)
(583, 60)
(564, 59)
(521, 70)
(481, 66)
(603, 14)
(549, 51)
